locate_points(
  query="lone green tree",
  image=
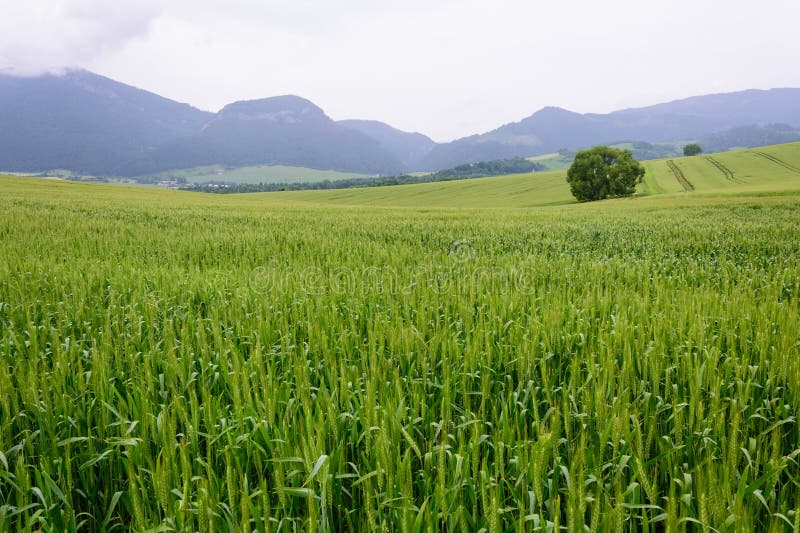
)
(603, 172)
(692, 149)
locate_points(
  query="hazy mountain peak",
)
(752, 105)
(376, 125)
(288, 109)
(407, 147)
(553, 113)
(554, 110)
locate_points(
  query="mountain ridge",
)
(408, 147)
(91, 124)
(552, 128)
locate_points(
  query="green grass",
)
(388, 359)
(518, 190)
(753, 173)
(771, 167)
(254, 175)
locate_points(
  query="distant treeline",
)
(517, 165)
(643, 151)
(498, 167)
(750, 136)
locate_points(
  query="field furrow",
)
(680, 177)
(728, 173)
(777, 161)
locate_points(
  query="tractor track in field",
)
(777, 161)
(728, 173)
(679, 175)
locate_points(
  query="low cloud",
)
(49, 36)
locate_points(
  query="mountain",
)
(547, 130)
(285, 130)
(409, 148)
(90, 124)
(84, 122)
(553, 128)
(729, 110)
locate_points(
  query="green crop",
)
(190, 362)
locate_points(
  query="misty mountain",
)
(552, 128)
(283, 130)
(91, 124)
(409, 148)
(84, 122)
(728, 110)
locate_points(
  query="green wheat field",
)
(479, 355)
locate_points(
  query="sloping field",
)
(770, 168)
(766, 168)
(518, 190)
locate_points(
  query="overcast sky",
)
(446, 68)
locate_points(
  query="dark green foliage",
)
(603, 172)
(751, 136)
(499, 167)
(692, 149)
(483, 169)
(643, 151)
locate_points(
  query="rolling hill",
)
(772, 168)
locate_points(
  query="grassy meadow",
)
(479, 355)
(252, 175)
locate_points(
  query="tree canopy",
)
(603, 172)
(692, 149)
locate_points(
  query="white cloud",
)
(46, 35)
